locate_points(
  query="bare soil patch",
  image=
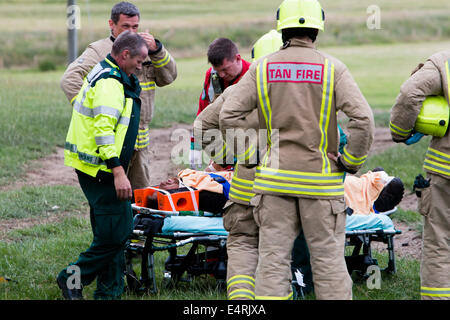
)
(381, 141)
(406, 244)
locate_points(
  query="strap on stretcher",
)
(169, 195)
(165, 213)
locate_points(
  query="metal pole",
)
(72, 25)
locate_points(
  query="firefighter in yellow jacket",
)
(159, 69)
(429, 79)
(298, 91)
(242, 242)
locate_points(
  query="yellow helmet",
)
(300, 14)
(433, 118)
(268, 43)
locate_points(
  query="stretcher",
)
(360, 232)
(159, 230)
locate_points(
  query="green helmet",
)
(268, 43)
(300, 14)
(433, 117)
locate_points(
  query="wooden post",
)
(73, 24)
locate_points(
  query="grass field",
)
(34, 114)
(35, 31)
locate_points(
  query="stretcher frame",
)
(361, 256)
(194, 263)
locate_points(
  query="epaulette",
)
(104, 74)
(114, 73)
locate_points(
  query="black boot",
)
(69, 294)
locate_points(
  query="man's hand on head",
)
(149, 39)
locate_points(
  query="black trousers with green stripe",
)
(112, 224)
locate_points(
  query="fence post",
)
(72, 26)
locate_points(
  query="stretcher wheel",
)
(171, 279)
(133, 284)
(358, 265)
(221, 285)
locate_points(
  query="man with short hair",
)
(99, 146)
(228, 67)
(159, 69)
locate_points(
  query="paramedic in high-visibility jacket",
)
(99, 146)
(298, 91)
(429, 79)
(158, 70)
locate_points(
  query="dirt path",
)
(51, 171)
(382, 141)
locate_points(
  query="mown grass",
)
(36, 31)
(33, 257)
(33, 202)
(380, 70)
(403, 285)
(401, 161)
(34, 117)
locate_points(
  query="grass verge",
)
(35, 256)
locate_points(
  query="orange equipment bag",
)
(179, 201)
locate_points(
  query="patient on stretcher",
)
(372, 192)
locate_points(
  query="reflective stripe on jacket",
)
(143, 139)
(241, 190)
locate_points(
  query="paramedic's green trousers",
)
(434, 205)
(323, 222)
(112, 223)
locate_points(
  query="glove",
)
(414, 138)
(342, 167)
(420, 183)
